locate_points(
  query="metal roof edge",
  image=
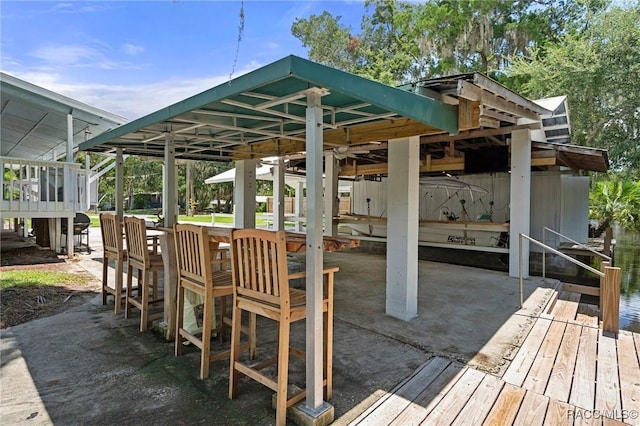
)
(416, 106)
(406, 103)
(274, 71)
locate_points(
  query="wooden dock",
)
(566, 372)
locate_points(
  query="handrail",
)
(554, 251)
(544, 228)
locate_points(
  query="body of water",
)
(627, 258)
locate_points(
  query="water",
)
(627, 257)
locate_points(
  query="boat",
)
(448, 229)
(468, 233)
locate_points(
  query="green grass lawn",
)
(30, 278)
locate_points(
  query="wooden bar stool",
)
(197, 262)
(261, 286)
(147, 262)
(112, 244)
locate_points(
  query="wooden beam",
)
(429, 165)
(468, 114)
(474, 93)
(364, 169)
(346, 136)
(378, 131)
(491, 113)
(269, 148)
(582, 289)
(480, 133)
(543, 158)
(489, 122)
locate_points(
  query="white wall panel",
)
(545, 207)
(574, 211)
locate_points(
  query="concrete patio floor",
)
(89, 366)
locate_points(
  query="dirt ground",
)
(19, 305)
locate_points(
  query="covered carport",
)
(294, 106)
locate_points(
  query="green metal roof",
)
(266, 109)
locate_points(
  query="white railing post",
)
(520, 270)
(544, 257)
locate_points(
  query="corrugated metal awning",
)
(262, 114)
(34, 120)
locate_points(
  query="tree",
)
(597, 67)
(401, 42)
(329, 41)
(615, 200)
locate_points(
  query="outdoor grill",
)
(81, 224)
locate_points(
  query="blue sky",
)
(134, 57)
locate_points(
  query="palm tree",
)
(615, 200)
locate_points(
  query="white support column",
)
(299, 207)
(520, 200)
(402, 228)
(314, 323)
(170, 187)
(278, 194)
(330, 193)
(69, 188)
(244, 195)
(189, 191)
(119, 185)
(167, 242)
(87, 182)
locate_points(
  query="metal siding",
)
(376, 191)
(545, 206)
(574, 213)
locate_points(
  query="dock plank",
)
(558, 414)
(584, 377)
(566, 307)
(532, 411)
(521, 363)
(607, 380)
(430, 397)
(559, 386)
(629, 367)
(478, 406)
(401, 398)
(585, 418)
(401, 395)
(453, 402)
(540, 371)
(612, 422)
(587, 315)
(568, 373)
(506, 407)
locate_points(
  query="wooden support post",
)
(610, 301)
(604, 264)
(608, 236)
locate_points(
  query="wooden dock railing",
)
(609, 291)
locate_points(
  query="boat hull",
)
(484, 234)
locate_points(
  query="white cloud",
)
(130, 101)
(66, 55)
(63, 6)
(78, 56)
(132, 49)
